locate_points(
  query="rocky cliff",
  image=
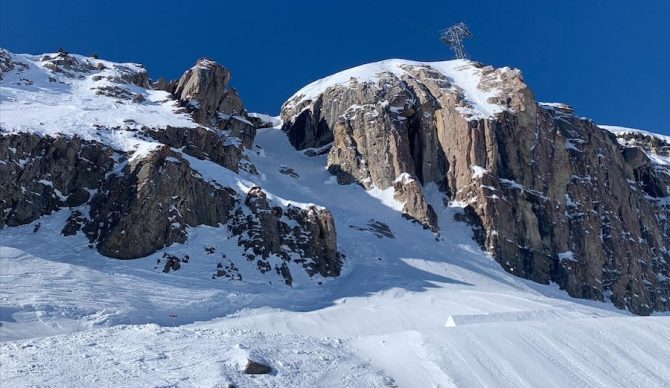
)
(554, 197)
(125, 159)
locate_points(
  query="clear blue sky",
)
(610, 59)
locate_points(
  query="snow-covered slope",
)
(408, 309)
(87, 97)
(412, 308)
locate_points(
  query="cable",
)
(402, 18)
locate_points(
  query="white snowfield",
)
(415, 310)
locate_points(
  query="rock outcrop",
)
(133, 189)
(290, 233)
(40, 175)
(558, 198)
(203, 91)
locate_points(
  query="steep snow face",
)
(93, 99)
(468, 79)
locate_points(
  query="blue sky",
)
(610, 59)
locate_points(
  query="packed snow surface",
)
(412, 310)
(464, 75)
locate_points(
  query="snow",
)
(623, 130)
(404, 178)
(570, 145)
(274, 120)
(212, 172)
(386, 197)
(478, 172)
(150, 355)
(417, 310)
(464, 75)
(567, 255)
(69, 106)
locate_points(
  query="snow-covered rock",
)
(477, 134)
(133, 172)
(410, 307)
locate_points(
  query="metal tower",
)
(453, 37)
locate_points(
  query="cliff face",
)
(558, 198)
(136, 164)
(126, 160)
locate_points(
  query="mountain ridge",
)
(246, 248)
(425, 104)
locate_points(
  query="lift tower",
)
(453, 37)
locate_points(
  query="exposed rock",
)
(41, 174)
(172, 263)
(6, 63)
(74, 66)
(163, 192)
(44, 174)
(262, 120)
(268, 232)
(138, 98)
(200, 142)
(377, 228)
(415, 207)
(289, 171)
(163, 84)
(202, 89)
(239, 128)
(114, 91)
(204, 84)
(556, 198)
(256, 368)
(74, 223)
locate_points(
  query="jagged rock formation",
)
(129, 181)
(203, 91)
(558, 198)
(267, 229)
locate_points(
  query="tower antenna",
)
(453, 37)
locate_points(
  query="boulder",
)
(256, 368)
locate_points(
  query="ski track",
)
(71, 317)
